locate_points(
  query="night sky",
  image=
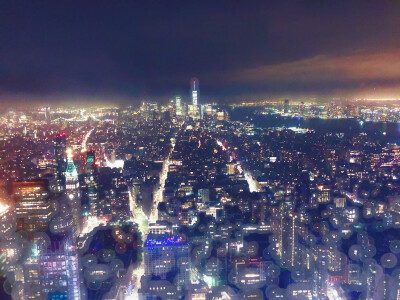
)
(127, 51)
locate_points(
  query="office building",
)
(92, 184)
(286, 106)
(165, 254)
(60, 148)
(32, 205)
(59, 268)
(72, 189)
(178, 106)
(195, 90)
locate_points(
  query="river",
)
(383, 131)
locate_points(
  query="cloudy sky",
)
(240, 50)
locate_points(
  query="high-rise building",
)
(195, 90)
(166, 254)
(286, 106)
(71, 175)
(120, 210)
(149, 111)
(92, 183)
(90, 163)
(178, 106)
(72, 188)
(204, 195)
(32, 204)
(61, 159)
(231, 168)
(59, 268)
(47, 115)
(193, 111)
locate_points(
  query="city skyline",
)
(200, 150)
(183, 201)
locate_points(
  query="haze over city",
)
(200, 150)
(128, 51)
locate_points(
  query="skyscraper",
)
(178, 106)
(47, 115)
(165, 254)
(193, 111)
(195, 90)
(59, 268)
(92, 185)
(61, 160)
(71, 176)
(72, 187)
(286, 106)
(90, 162)
(32, 204)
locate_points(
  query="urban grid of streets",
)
(290, 186)
(142, 220)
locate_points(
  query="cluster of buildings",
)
(365, 110)
(186, 201)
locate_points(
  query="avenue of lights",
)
(188, 200)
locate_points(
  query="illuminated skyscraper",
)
(72, 187)
(61, 160)
(71, 176)
(286, 106)
(32, 204)
(91, 177)
(90, 162)
(165, 254)
(120, 204)
(178, 106)
(195, 90)
(47, 115)
(59, 268)
(193, 111)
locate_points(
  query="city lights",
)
(274, 175)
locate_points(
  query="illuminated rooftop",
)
(3, 208)
(166, 241)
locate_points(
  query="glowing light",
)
(69, 153)
(253, 184)
(169, 241)
(251, 275)
(3, 208)
(221, 145)
(85, 139)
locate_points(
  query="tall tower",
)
(32, 205)
(163, 253)
(91, 178)
(59, 268)
(72, 187)
(90, 163)
(178, 106)
(60, 147)
(286, 106)
(47, 115)
(71, 175)
(194, 82)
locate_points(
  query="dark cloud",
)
(135, 49)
